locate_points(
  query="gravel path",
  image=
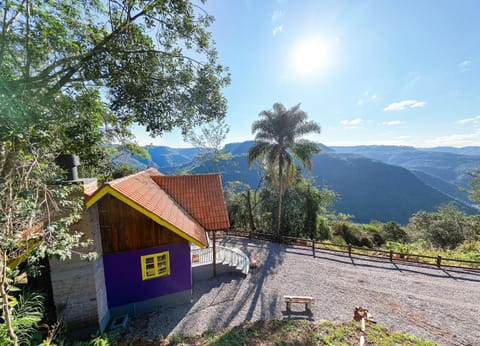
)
(436, 304)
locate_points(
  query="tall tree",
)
(154, 60)
(278, 139)
(74, 73)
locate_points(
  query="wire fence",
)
(391, 255)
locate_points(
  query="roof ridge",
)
(187, 175)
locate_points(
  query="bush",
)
(323, 229)
(27, 312)
(349, 232)
(391, 231)
(366, 242)
(446, 228)
(373, 232)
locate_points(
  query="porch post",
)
(214, 254)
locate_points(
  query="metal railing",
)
(224, 255)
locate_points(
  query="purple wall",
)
(123, 275)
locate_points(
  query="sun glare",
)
(310, 56)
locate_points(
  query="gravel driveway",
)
(440, 305)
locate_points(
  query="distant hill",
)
(166, 159)
(373, 182)
(443, 168)
(472, 151)
(372, 190)
(368, 189)
(448, 166)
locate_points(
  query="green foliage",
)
(26, 312)
(122, 170)
(100, 340)
(278, 140)
(49, 50)
(469, 250)
(300, 332)
(74, 76)
(241, 205)
(349, 232)
(209, 142)
(323, 228)
(392, 231)
(475, 185)
(446, 228)
(372, 233)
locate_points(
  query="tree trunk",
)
(5, 307)
(250, 211)
(280, 195)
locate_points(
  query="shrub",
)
(393, 232)
(349, 232)
(366, 242)
(323, 229)
(27, 312)
(372, 232)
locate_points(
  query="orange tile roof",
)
(142, 193)
(201, 195)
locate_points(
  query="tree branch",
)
(95, 50)
(4, 30)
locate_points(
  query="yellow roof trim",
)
(108, 189)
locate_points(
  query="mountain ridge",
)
(369, 188)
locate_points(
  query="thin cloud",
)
(392, 123)
(277, 30)
(277, 14)
(352, 122)
(457, 140)
(468, 120)
(464, 66)
(400, 106)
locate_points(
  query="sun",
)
(311, 56)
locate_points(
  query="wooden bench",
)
(308, 301)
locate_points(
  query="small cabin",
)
(143, 228)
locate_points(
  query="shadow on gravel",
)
(166, 319)
(298, 315)
(269, 256)
(418, 268)
(229, 295)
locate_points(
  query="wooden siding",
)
(125, 229)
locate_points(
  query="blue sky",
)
(369, 72)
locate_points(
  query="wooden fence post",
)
(439, 261)
(313, 247)
(350, 250)
(391, 255)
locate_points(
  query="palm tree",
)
(278, 139)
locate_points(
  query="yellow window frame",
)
(155, 265)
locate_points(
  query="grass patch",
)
(291, 333)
